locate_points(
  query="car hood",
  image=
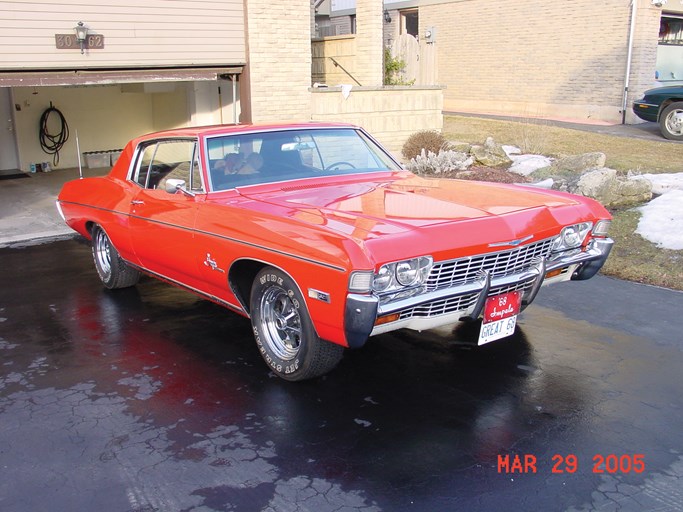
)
(401, 202)
(671, 90)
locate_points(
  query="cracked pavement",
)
(152, 399)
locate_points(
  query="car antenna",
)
(78, 150)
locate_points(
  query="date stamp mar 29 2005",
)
(563, 464)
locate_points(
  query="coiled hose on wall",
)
(52, 143)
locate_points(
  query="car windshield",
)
(270, 156)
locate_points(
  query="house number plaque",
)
(69, 42)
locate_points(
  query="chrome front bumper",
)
(466, 301)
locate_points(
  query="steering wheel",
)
(335, 164)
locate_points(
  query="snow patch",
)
(662, 183)
(526, 164)
(662, 221)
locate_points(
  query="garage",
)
(105, 109)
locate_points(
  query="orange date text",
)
(569, 463)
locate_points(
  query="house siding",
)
(136, 34)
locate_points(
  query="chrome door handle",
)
(137, 201)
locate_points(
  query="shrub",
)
(393, 70)
(430, 163)
(429, 140)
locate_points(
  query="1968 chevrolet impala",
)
(318, 235)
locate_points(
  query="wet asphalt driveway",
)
(151, 399)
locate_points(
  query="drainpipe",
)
(629, 56)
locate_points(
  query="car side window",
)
(166, 160)
(142, 169)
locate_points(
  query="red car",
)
(322, 239)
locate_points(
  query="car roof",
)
(232, 129)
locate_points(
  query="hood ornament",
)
(512, 243)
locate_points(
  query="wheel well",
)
(666, 103)
(89, 225)
(241, 276)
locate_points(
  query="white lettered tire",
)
(113, 271)
(283, 330)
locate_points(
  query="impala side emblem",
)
(512, 243)
(212, 263)
(318, 295)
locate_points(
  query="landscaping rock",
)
(460, 147)
(606, 187)
(528, 164)
(571, 166)
(490, 154)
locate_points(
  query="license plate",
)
(500, 317)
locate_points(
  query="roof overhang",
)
(42, 78)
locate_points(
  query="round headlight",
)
(572, 236)
(382, 279)
(407, 272)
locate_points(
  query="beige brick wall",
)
(643, 62)
(389, 114)
(541, 57)
(369, 48)
(275, 85)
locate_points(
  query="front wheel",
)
(671, 121)
(284, 333)
(113, 271)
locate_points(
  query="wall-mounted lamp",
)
(658, 3)
(387, 18)
(81, 34)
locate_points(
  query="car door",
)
(162, 222)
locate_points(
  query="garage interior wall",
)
(106, 117)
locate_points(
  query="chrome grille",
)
(460, 303)
(454, 272)
(440, 307)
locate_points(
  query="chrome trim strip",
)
(223, 237)
(270, 249)
(210, 297)
(512, 243)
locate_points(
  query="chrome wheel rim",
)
(674, 122)
(280, 323)
(103, 254)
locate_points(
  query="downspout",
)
(629, 57)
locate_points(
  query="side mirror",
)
(173, 185)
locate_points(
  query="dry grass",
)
(623, 153)
(633, 257)
(636, 259)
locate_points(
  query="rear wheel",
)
(284, 333)
(113, 271)
(671, 121)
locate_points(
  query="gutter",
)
(629, 58)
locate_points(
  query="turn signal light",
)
(387, 319)
(554, 273)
